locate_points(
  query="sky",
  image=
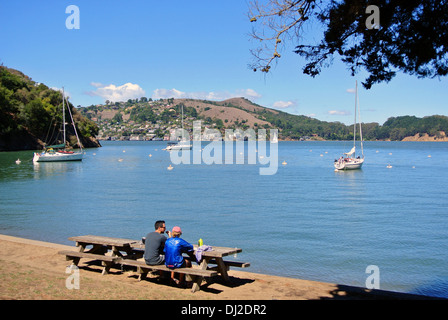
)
(188, 49)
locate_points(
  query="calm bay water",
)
(307, 221)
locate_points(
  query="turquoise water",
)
(306, 221)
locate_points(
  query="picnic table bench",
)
(125, 252)
(193, 274)
(100, 249)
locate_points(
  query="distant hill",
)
(27, 108)
(30, 114)
(124, 119)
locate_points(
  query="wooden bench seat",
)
(142, 268)
(232, 263)
(75, 256)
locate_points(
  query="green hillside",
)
(121, 120)
(30, 114)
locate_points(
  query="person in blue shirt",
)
(174, 247)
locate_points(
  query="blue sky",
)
(178, 48)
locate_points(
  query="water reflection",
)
(11, 170)
(47, 169)
(350, 182)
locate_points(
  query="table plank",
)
(215, 252)
(136, 244)
(219, 251)
(107, 241)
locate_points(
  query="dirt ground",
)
(33, 270)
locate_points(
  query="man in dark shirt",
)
(154, 244)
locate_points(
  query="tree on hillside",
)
(28, 108)
(410, 36)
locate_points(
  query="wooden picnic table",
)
(100, 246)
(213, 256)
(125, 251)
(100, 243)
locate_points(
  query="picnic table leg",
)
(108, 265)
(198, 280)
(222, 269)
(81, 246)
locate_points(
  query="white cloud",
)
(117, 93)
(96, 84)
(339, 113)
(283, 104)
(165, 94)
(212, 95)
(249, 94)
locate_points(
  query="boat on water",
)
(349, 160)
(182, 144)
(59, 152)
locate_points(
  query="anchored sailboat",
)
(183, 144)
(58, 152)
(349, 161)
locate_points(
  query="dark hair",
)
(158, 224)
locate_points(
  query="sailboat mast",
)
(354, 124)
(360, 127)
(74, 126)
(183, 138)
(63, 114)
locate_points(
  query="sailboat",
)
(58, 152)
(349, 161)
(183, 144)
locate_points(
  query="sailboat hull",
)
(178, 147)
(353, 164)
(57, 156)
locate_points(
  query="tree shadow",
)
(344, 292)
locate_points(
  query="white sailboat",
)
(183, 144)
(58, 152)
(349, 161)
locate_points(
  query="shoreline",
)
(33, 270)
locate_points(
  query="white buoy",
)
(389, 166)
(284, 163)
(429, 156)
(18, 161)
(150, 155)
(170, 167)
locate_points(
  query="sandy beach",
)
(33, 270)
